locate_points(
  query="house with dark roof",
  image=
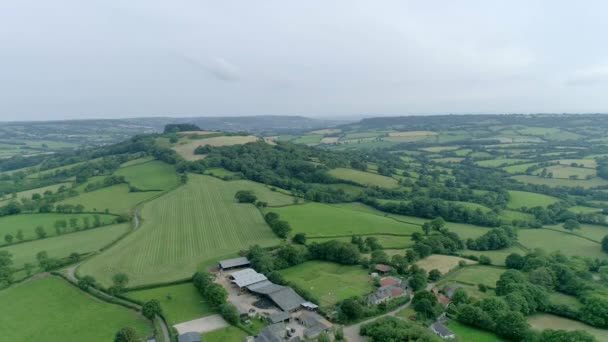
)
(189, 337)
(283, 296)
(314, 324)
(442, 331)
(278, 317)
(272, 333)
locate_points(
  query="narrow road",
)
(351, 332)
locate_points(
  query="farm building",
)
(381, 268)
(442, 331)
(441, 298)
(189, 337)
(279, 317)
(384, 294)
(234, 263)
(272, 333)
(314, 323)
(390, 281)
(247, 277)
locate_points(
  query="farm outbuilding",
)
(189, 337)
(442, 331)
(247, 277)
(234, 263)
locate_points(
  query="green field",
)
(180, 303)
(182, 229)
(547, 321)
(62, 246)
(593, 232)
(116, 198)
(153, 175)
(584, 183)
(498, 256)
(227, 334)
(329, 282)
(519, 168)
(563, 171)
(473, 275)
(137, 161)
(316, 219)
(221, 172)
(28, 193)
(52, 310)
(28, 223)
(521, 199)
(552, 241)
(364, 178)
(579, 209)
(467, 333)
(558, 298)
(590, 163)
(310, 139)
(386, 241)
(499, 161)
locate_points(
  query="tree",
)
(417, 282)
(230, 313)
(351, 309)
(280, 228)
(485, 260)
(40, 232)
(126, 334)
(216, 295)
(29, 268)
(120, 281)
(245, 196)
(426, 227)
(299, 238)
(339, 334)
(460, 297)
(323, 337)
(426, 305)
(8, 238)
(19, 235)
(85, 282)
(513, 325)
(6, 269)
(515, 261)
(605, 244)
(151, 308)
(434, 275)
(571, 225)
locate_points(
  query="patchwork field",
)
(137, 161)
(153, 175)
(62, 314)
(225, 334)
(521, 199)
(443, 263)
(386, 241)
(198, 222)
(547, 321)
(563, 171)
(568, 244)
(62, 246)
(180, 303)
(498, 257)
(499, 161)
(28, 223)
(116, 198)
(311, 139)
(316, 219)
(364, 178)
(590, 231)
(329, 282)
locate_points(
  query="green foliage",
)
(426, 306)
(151, 309)
(499, 238)
(393, 329)
(230, 313)
(245, 196)
(126, 334)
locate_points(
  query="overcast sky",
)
(105, 58)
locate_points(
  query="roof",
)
(314, 323)
(264, 287)
(271, 333)
(441, 330)
(451, 290)
(279, 317)
(236, 262)
(286, 298)
(383, 268)
(390, 281)
(396, 292)
(385, 292)
(247, 277)
(310, 305)
(189, 337)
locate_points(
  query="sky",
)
(66, 59)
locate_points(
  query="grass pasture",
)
(499, 162)
(443, 263)
(227, 334)
(185, 148)
(498, 256)
(62, 314)
(137, 161)
(28, 193)
(311, 139)
(546, 321)
(467, 333)
(521, 199)
(116, 198)
(194, 224)
(565, 172)
(180, 303)
(553, 241)
(329, 282)
(579, 209)
(475, 274)
(364, 178)
(553, 182)
(86, 241)
(386, 241)
(322, 220)
(28, 223)
(153, 175)
(590, 231)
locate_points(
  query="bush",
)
(151, 308)
(230, 313)
(245, 196)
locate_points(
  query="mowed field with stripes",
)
(192, 225)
